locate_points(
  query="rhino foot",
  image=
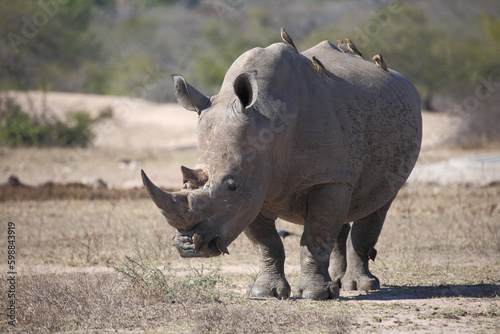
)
(268, 286)
(327, 290)
(361, 283)
(337, 278)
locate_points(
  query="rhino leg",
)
(327, 207)
(271, 281)
(338, 260)
(361, 241)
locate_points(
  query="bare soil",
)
(438, 257)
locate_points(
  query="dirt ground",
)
(438, 256)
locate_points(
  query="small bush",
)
(18, 128)
(150, 282)
(105, 113)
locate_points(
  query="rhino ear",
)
(188, 96)
(246, 88)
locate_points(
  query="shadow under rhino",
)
(430, 292)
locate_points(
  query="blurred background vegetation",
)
(449, 49)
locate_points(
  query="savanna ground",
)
(97, 259)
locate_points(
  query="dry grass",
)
(81, 302)
(438, 262)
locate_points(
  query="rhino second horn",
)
(193, 178)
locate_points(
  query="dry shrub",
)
(55, 302)
(149, 282)
(137, 295)
(68, 302)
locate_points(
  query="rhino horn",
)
(193, 178)
(188, 96)
(172, 205)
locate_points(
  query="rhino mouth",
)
(194, 243)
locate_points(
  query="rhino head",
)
(226, 189)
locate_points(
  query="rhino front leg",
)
(360, 248)
(327, 207)
(271, 281)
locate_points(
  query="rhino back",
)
(385, 130)
(358, 125)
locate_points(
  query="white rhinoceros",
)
(320, 149)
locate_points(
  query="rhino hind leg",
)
(271, 281)
(360, 248)
(338, 258)
(327, 207)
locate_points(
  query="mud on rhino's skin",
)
(282, 140)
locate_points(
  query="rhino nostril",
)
(212, 246)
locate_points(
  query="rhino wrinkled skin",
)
(283, 140)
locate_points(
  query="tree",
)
(45, 43)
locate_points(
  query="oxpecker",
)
(319, 66)
(287, 39)
(379, 60)
(344, 48)
(353, 48)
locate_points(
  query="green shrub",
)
(18, 128)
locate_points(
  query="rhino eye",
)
(231, 185)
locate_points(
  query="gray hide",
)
(319, 149)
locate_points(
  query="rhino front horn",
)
(172, 206)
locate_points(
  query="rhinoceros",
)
(283, 140)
